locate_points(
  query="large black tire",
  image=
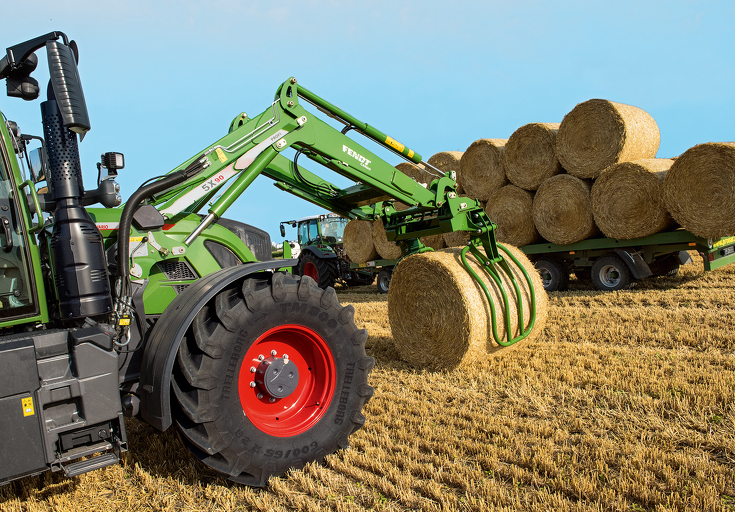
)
(610, 273)
(237, 408)
(322, 270)
(383, 281)
(554, 275)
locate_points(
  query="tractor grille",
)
(178, 271)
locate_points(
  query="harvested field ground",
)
(625, 403)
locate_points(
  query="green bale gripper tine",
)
(489, 266)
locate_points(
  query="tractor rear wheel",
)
(322, 270)
(271, 375)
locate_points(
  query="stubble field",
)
(625, 403)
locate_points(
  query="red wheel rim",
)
(305, 406)
(311, 271)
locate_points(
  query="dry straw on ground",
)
(440, 317)
(358, 241)
(627, 199)
(699, 189)
(482, 171)
(386, 249)
(599, 133)
(562, 210)
(447, 161)
(530, 155)
(511, 208)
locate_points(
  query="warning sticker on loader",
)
(394, 144)
(28, 406)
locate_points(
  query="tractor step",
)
(99, 462)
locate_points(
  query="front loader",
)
(151, 310)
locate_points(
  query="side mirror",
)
(39, 164)
(283, 231)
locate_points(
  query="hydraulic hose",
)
(144, 192)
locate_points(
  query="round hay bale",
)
(562, 210)
(699, 189)
(599, 133)
(358, 241)
(386, 249)
(436, 242)
(511, 208)
(627, 199)
(447, 161)
(440, 317)
(456, 238)
(415, 171)
(482, 171)
(530, 155)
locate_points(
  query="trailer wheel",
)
(322, 270)
(271, 375)
(610, 273)
(553, 274)
(383, 281)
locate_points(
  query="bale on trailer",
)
(562, 210)
(699, 189)
(440, 316)
(627, 199)
(358, 241)
(599, 133)
(447, 161)
(418, 173)
(456, 238)
(530, 155)
(482, 171)
(511, 208)
(436, 242)
(386, 249)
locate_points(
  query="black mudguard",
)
(163, 343)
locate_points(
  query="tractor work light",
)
(113, 161)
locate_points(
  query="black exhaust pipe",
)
(77, 250)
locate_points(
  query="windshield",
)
(334, 227)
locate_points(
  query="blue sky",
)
(164, 79)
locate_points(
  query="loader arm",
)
(254, 146)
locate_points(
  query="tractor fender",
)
(317, 252)
(163, 343)
(635, 262)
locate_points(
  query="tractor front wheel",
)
(322, 270)
(272, 375)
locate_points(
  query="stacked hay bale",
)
(440, 316)
(482, 171)
(530, 155)
(511, 208)
(358, 241)
(386, 249)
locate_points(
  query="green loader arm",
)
(254, 146)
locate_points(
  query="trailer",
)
(382, 269)
(614, 264)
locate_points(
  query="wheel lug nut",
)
(252, 369)
(253, 384)
(273, 352)
(260, 396)
(285, 356)
(260, 357)
(271, 399)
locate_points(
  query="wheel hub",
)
(276, 377)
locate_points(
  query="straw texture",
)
(482, 171)
(358, 241)
(530, 155)
(436, 242)
(599, 133)
(562, 210)
(511, 208)
(627, 199)
(386, 249)
(699, 189)
(440, 317)
(447, 161)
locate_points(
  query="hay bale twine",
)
(599, 133)
(562, 210)
(386, 249)
(511, 208)
(627, 199)
(439, 315)
(358, 241)
(482, 171)
(530, 155)
(447, 161)
(699, 189)
(436, 242)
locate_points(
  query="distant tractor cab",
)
(320, 250)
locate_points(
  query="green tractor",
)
(180, 319)
(319, 248)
